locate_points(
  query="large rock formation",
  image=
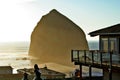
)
(54, 37)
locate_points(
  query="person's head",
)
(36, 66)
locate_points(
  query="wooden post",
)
(85, 56)
(110, 69)
(72, 55)
(78, 55)
(100, 58)
(92, 58)
(90, 73)
(80, 71)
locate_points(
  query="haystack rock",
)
(54, 37)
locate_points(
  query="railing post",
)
(90, 72)
(72, 55)
(85, 56)
(100, 58)
(92, 58)
(78, 55)
(80, 71)
(110, 69)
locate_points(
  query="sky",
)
(18, 18)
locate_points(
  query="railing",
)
(95, 57)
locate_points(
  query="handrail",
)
(95, 56)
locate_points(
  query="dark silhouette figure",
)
(25, 76)
(37, 73)
(77, 74)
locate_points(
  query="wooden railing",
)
(95, 57)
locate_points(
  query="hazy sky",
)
(19, 17)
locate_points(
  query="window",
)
(113, 45)
(104, 44)
(109, 44)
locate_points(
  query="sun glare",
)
(14, 20)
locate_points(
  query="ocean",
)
(15, 54)
(93, 45)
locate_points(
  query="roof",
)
(44, 71)
(112, 30)
(49, 71)
(6, 67)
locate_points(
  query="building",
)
(6, 73)
(109, 38)
(45, 73)
(11, 76)
(106, 58)
(6, 70)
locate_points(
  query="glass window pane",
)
(113, 45)
(104, 44)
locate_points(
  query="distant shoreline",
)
(24, 45)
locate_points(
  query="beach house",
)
(46, 74)
(109, 38)
(106, 58)
(6, 73)
(6, 70)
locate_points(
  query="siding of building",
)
(11, 76)
(6, 70)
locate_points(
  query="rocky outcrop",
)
(54, 37)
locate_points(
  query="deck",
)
(96, 58)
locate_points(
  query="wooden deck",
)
(97, 59)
